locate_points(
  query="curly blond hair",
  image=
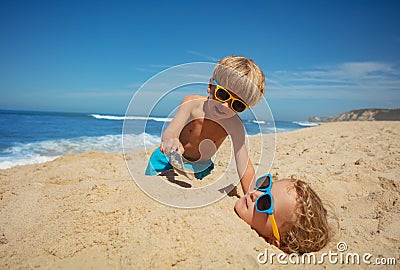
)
(311, 231)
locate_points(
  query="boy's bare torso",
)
(201, 136)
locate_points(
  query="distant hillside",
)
(362, 115)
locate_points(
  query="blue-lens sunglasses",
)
(265, 202)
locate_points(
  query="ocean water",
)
(36, 137)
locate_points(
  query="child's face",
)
(284, 209)
(217, 109)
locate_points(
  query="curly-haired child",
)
(286, 213)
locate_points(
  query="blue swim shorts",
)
(159, 162)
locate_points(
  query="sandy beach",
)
(85, 211)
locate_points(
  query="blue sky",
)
(320, 57)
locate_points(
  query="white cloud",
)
(204, 78)
(160, 66)
(351, 80)
(100, 93)
(145, 69)
(207, 57)
(153, 68)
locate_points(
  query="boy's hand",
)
(169, 145)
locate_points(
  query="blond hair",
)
(311, 231)
(241, 76)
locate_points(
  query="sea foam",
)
(43, 151)
(121, 118)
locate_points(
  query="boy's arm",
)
(244, 166)
(170, 137)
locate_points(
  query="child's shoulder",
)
(194, 99)
(193, 104)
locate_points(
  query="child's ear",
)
(276, 243)
(209, 83)
(208, 89)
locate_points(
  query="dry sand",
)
(85, 211)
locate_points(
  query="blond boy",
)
(202, 123)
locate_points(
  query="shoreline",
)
(84, 210)
(39, 159)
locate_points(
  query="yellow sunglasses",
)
(223, 95)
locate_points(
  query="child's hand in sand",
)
(170, 145)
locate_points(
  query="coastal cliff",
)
(362, 115)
